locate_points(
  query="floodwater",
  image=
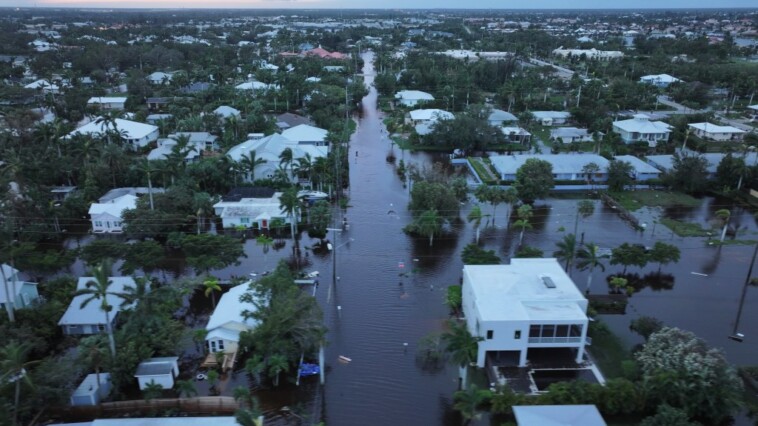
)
(389, 289)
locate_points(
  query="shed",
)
(89, 393)
(161, 371)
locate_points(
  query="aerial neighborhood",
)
(408, 216)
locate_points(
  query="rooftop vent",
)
(548, 282)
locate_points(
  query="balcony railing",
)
(555, 339)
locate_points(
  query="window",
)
(548, 330)
(220, 345)
(490, 334)
(576, 330)
(517, 334)
(244, 220)
(213, 346)
(98, 223)
(534, 331)
(561, 331)
(116, 224)
(101, 327)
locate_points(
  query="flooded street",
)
(389, 288)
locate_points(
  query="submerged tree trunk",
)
(109, 330)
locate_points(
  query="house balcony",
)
(540, 340)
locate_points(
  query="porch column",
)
(522, 357)
(580, 349)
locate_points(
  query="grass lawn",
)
(685, 229)
(634, 200)
(543, 133)
(607, 350)
(482, 169)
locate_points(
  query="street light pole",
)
(334, 253)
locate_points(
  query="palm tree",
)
(462, 346)
(429, 224)
(107, 124)
(249, 162)
(276, 365)
(147, 168)
(468, 402)
(248, 417)
(211, 286)
(13, 364)
(152, 390)
(289, 203)
(303, 167)
(475, 215)
(524, 214)
(186, 388)
(589, 259)
(566, 250)
(723, 215)
(93, 351)
(286, 158)
(98, 288)
(140, 293)
(113, 156)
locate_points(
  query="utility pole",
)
(737, 336)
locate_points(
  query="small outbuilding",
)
(161, 371)
(91, 390)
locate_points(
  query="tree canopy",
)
(534, 180)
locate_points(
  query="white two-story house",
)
(227, 322)
(531, 303)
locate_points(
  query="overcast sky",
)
(359, 4)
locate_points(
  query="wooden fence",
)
(199, 406)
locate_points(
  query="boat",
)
(312, 195)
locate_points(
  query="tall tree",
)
(470, 401)
(534, 180)
(98, 288)
(206, 252)
(429, 224)
(13, 365)
(524, 213)
(475, 216)
(566, 250)
(619, 175)
(461, 346)
(93, 351)
(629, 254)
(589, 259)
(290, 205)
(663, 254)
(249, 162)
(723, 215)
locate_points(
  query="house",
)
(324, 54)
(558, 415)
(256, 85)
(570, 134)
(752, 111)
(256, 213)
(270, 148)
(665, 163)
(106, 217)
(227, 322)
(551, 118)
(288, 119)
(531, 303)
(160, 78)
(160, 371)
(89, 392)
(138, 135)
(659, 80)
(602, 55)
(137, 191)
(107, 104)
(157, 103)
(20, 292)
(498, 117)
(198, 142)
(641, 129)
(157, 421)
(44, 86)
(225, 111)
(90, 319)
(716, 133)
(61, 193)
(411, 98)
(516, 135)
(427, 116)
(565, 166)
(156, 118)
(305, 134)
(642, 171)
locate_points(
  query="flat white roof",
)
(518, 291)
(558, 415)
(104, 100)
(115, 206)
(305, 133)
(551, 114)
(88, 386)
(562, 163)
(715, 128)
